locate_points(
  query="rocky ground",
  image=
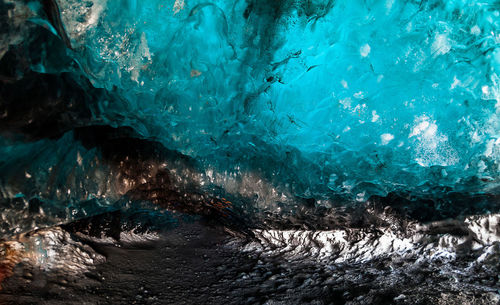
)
(196, 263)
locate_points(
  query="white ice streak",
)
(361, 245)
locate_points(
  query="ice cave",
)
(250, 152)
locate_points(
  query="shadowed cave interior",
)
(249, 152)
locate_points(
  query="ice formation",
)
(342, 97)
(351, 148)
(281, 119)
(271, 100)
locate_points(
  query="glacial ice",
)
(353, 97)
(273, 99)
(253, 151)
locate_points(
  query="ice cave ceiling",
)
(250, 104)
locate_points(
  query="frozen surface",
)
(317, 98)
(350, 97)
(297, 151)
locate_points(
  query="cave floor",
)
(198, 264)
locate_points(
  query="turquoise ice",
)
(276, 99)
(352, 97)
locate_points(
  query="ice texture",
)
(353, 97)
(273, 100)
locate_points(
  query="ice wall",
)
(377, 96)
(276, 99)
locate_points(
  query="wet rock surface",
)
(199, 264)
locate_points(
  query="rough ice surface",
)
(318, 98)
(347, 146)
(349, 97)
